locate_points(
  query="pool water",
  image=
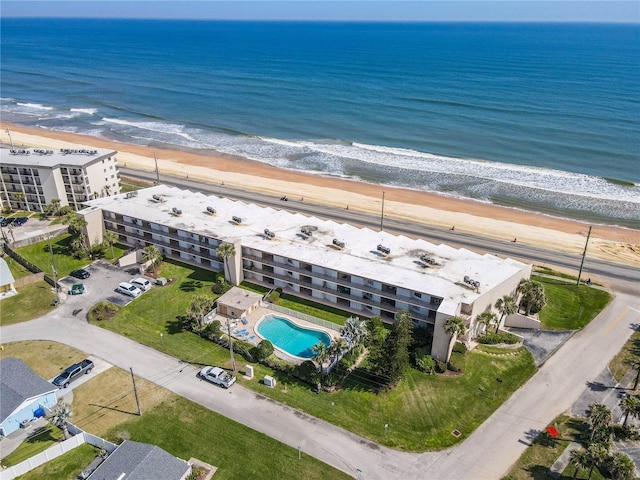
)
(290, 338)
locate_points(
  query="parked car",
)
(80, 273)
(6, 222)
(142, 283)
(128, 289)
(218, 376)
(73, 372)
(20, 221)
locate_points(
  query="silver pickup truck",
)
(71, 373)
(218, 376)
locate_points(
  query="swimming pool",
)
(290, 338)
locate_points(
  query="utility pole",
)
(584, 254)
(10, 140)
(382, 213)
(53, 267)
(157, 171)
(135, 391)
(233, 362)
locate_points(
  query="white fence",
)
(305, 317)
(58, 449)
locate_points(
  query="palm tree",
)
(630, 405)
(55, 203)
(636, 366)
(321, 355)
(336, 347)
(60, 415)
(487, 319)
(506, 306)
(151, 254)
(599, 416)
(579, 459)
(533, 297)
(224, 251)
(596, 455)
(76, 223)
(200, 305)
(454, 326)
(109, 238)
(622, 467)
(354, 330)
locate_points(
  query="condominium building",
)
(31, 178)
(359, 270)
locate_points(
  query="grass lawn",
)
(128, 184)
(334, 315)
(66, 466)
(630, 352)
(17, 270)
(570, 306)
(186, 430)
(537, 459)
(45, 358)
(35, 444)
(40, 255)
(31, 301)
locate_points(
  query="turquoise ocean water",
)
(543, 117)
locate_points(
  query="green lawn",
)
(570, 306)
(186, 430)
(40, 255)
(17, 270)
(630, 352)
(537, 459)
(37, 443)
(31, 301)
(334, 315)
(64, 467)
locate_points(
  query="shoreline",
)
(612, 243)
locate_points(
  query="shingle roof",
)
(18, 383)
(140, 461)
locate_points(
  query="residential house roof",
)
(17, 384)
(140, 461)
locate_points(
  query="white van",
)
(128, 289)
(142, 283)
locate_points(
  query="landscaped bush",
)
(103, 311)
(212, 330)
(493, 338)
(265, 349)
(426, 364)
(274, 297)
(308, 372)
(460, 348)
(282, 365)
(350, 358)
(441, 367)
(452, 366)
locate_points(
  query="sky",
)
(610, 11)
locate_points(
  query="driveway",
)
(486, 454)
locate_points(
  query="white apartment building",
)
(31, 178)
(355, 269)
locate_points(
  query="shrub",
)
(460, 348)
(492, 338)
(265, 349)
(441, 367)
(66, 210)
(212, 330)
(102, 311)
(274, 297)
(426, 364)
(217, 288)
(452, 366)
(308, 372)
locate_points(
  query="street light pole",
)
(53, 268)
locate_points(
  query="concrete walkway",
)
(486, 454)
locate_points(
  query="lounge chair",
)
(245, 321)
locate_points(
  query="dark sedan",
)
(81, 274)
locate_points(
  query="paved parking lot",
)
(100, 286)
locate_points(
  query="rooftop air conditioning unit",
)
(381, 248)
(177, 211)
(268, 233)
(338, 243)
(211, 210)
(236, 219)
(157, 198)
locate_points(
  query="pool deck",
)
(238, 329)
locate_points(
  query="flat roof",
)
(360, 256)
(239, 298)
(48, 158)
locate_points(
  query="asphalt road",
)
(529, 254)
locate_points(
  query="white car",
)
(142, 283)
(128, 289)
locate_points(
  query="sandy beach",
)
(610, 243)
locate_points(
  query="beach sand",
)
(620, 245)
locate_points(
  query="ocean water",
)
(542, 117)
